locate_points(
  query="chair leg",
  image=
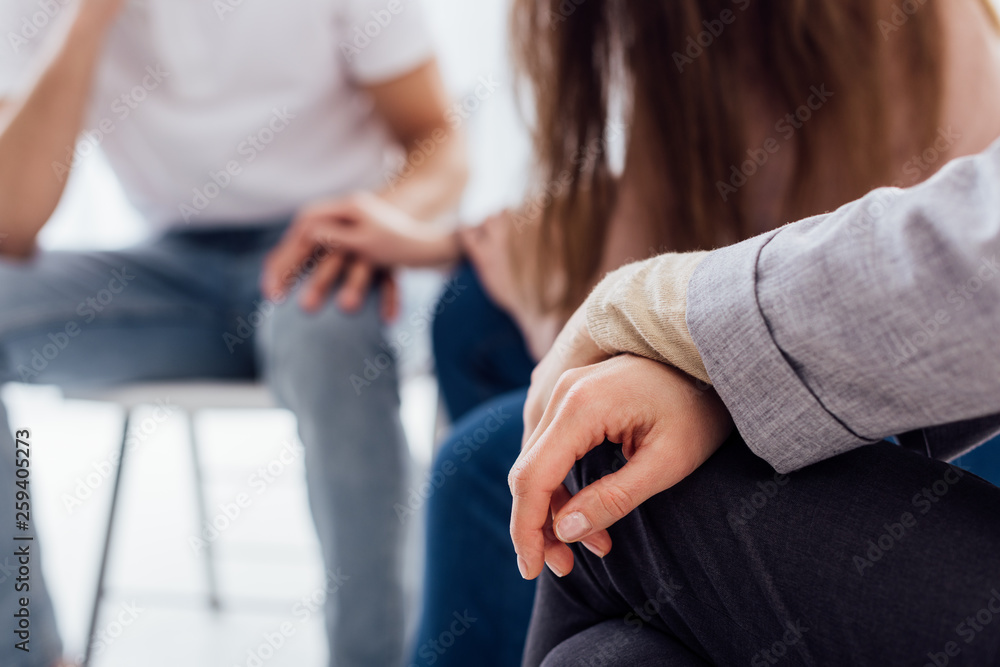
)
(199, 482)
(95, 613)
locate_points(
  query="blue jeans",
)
(984, 461)
(187, 306)
(476, 606)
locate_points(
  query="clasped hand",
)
(667, 423)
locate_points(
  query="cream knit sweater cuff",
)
(642, 309)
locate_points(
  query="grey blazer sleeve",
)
(878, 319)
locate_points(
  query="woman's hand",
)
(488, 247)
(573, 348)
(368, 226)
(668, 426)
(352, 242)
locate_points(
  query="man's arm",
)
(37, 127)
(820, 337)
(415, 107)
(877, 319)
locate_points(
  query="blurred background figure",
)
(222, 122)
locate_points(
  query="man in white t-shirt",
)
(224, 121)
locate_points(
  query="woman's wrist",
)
(435, 248)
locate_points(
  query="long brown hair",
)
(685, 101)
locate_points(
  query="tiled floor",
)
(270, 574)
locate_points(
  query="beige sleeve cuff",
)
(641, 309)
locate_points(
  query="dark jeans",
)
(476, 606)
(879, 556)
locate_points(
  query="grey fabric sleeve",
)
(878, 319)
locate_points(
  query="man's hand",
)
(314, 238)
(667, 424)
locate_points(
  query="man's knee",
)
(329, 346)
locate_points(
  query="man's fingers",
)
(316, 289)
(352, 292)
(611, 498)
(282, 264)
(390, 305)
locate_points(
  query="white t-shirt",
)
(223, 112)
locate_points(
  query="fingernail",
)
(594, 549)
(522, 566)
(556, 571)
(573, 527)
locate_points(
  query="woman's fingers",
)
(611, 498)
(666, 430)
(558, 556)
(536, 476)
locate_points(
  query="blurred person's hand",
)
(370, 227)
(352, 242)
(488, 247)
(668, 427)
